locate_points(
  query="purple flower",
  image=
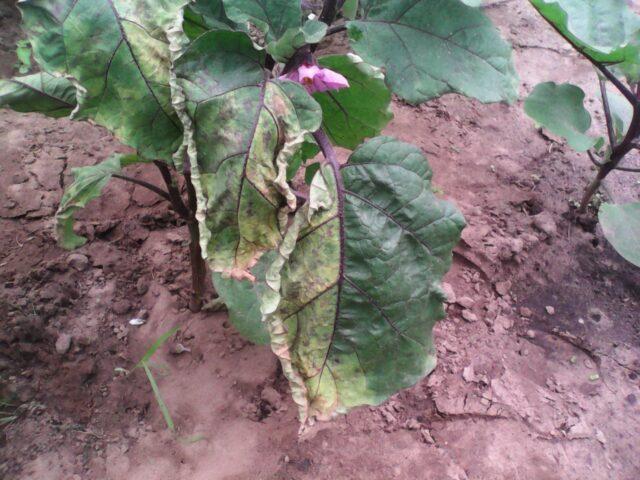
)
(316, 79)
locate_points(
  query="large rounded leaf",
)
(560, 108)
(603, 29)
(360, 291)
(361, 111)
(117, 51)
(245, 130)
(621, 226)
(430, 48)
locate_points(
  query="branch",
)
(336, 29)
(607, 112)
(174, 194)
(144, 184)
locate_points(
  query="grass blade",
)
(156, 393)
(156, 345)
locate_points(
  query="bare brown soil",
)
(539, 356)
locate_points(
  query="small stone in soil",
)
(531, 334)
(78, 261)
(121, 307)
(426, 436)
(465, 302)
(63, 343)
(526, 312)
(503, 288)
(469, 316)
(550, 310)
(141, 286)
(545, 223)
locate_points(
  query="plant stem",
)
(144, 184)
(174, 194)
(336, 29)
(607, 111)
(198, 265)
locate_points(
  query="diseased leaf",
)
(40, 92)
(117, 51)
(309, 149)
(246, 129)
(431, 48)
(358, 294)
(361, 111)
(621, 226)
(88, 184)
(272, 17)
(560, 109)
(204, 15)
(603, 29)
(241, 298)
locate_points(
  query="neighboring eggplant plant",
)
(607, 33)
(230, 100)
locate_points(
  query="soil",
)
(539, 356)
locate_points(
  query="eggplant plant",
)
(607, 34)
(233, 101)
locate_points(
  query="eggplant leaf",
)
(117, 52)
(40, 92)
(353, 301)
(602, 29)
(204, 15)
(361, 111)
(245, 130)
(431, 48)
(88, 184)
(272, 17)
(621, 226)
(560, 109)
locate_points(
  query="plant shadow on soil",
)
(538, 356)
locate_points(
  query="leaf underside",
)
(431, 48)
(88, 184)
(604, 29)
(40, 92)
(621, 226)
(360, 292)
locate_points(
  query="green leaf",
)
(472, 3)
(361, 111)
(621, 226)
(602, 29)
(158, 396)
(621, 114)
(308, 150)
(88, 184)
(560, 109)
(431, 48)
(204, 15)
(272, 17)
(284, 47)
(243, 303)
(156, 345)
(310, 172)
(23, 52)
(246, 129)
(40, 92)
(117, 51)
(350, 9)
(360, 290)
